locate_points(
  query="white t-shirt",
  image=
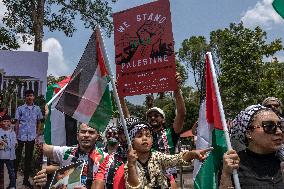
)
(7, 151)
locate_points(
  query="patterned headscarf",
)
(129, 121)
(136, 127)
(242, 122)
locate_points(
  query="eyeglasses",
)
(270, 127)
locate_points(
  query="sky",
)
(189, 18)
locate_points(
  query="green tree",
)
(192, 53)
(52, 79)
(272, 80)
(241, 51)
(8, 40)
(191, 100)
(238, 54)
(30, 17)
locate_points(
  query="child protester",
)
(144, 169)
(8, 144)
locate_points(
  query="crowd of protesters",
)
(150, 161)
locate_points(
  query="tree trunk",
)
(149, 101)
(38, 41)
(38, 16)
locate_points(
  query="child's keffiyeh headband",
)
(129, 121)
(136, 127)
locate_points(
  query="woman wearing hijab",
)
(260, 130)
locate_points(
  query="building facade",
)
(22, 83)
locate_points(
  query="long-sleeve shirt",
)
(157, 163)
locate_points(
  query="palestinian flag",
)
(87, 96)
(209, 133)
(278, 5)
(54, 127)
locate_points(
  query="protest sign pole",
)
(98, 30)
(223, 120)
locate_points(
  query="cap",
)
(156, 109)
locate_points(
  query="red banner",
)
(144, 49)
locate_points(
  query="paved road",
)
(187, 180)
(19, 181)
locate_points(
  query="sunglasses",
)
(270, 127)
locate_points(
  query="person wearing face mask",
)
(260, 130)
(108, 170)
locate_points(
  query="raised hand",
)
(132, 157)
(41, 178)
(200, 154)
(231, 161)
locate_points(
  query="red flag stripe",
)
(212, 109)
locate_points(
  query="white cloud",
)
(2, 10)
(280, 58)
(57, 65)
(262, 14)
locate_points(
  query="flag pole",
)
(56, 95)
(98, 30)
(223, 120)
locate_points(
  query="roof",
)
(20, 77)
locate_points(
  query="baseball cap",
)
(156, 109)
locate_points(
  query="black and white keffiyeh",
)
(136, 127)
(129, 121)
(242, 121)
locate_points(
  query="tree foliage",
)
(238, 54)
(52, 79)
(192, 53)
(241, 51)
(8, 41)
(191, 100)
(30, 17)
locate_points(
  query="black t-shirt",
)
(259, 171)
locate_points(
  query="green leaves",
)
(238, 52)
(8, 41)
(29, 18)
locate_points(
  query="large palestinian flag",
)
(87, 96)
(209, 133)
